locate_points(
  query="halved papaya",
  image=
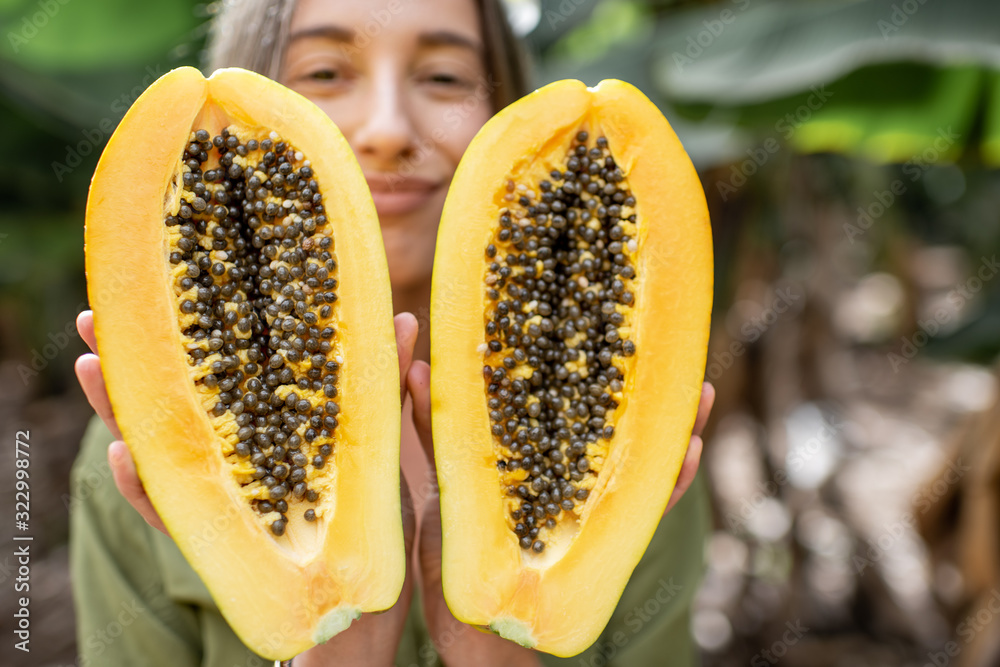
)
(244, 323)
(571, 301)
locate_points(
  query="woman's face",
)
(404, 81)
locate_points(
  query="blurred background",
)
(849, 153)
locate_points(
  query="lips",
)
(396, 195)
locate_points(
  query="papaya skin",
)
(324, 578)
(488, 579)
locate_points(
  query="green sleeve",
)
(650, 627)
(137, 602)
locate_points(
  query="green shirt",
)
(138, 603)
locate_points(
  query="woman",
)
(392, 75)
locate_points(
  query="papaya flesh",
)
(244, 324)
(571, 301)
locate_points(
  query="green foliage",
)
(69, 69)
(61, 36)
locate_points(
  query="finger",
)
(409, 513)
(127, 481)
(88, 372)
(688, 470)
(406, 337)
(704, 407)
(418, 382)
(85, 326)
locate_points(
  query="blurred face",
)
(405, 82)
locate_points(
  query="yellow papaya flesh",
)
(244, 323)
(571, 302)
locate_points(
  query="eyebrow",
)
(448, 38)
(428, 39)
(331, 32)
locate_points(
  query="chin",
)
(406, 278)
(409, 268)
(409, 251)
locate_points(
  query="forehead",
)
(370, 22)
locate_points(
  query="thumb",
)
(418, 382)
(406, 337)
(127, 480)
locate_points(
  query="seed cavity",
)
(560, 291)
(255, 277)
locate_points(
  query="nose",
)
(387, 134)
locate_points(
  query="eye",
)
(325, 75)
(446, 83)
(445, 78)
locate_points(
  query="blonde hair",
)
(253, 34)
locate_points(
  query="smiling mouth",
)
(394, 195)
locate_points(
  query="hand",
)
(88, 372)
(692, 459)
(372, 639)
(456, 642)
